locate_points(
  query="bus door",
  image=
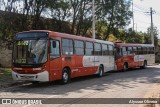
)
(55, 59)
(118, 57)
(136, 56)
(140, 56)
(111, 57)
(131, 56)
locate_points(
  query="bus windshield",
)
(33, 51)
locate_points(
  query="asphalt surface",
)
(136, 83)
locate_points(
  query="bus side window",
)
(124, 51)
(67, 46)
(105, 49)
(118, 52)
(145, 50)
(79, 47)
(134, 50)
(140, 51)
(130, 51)
(97, 49)
(148, 50)
(111, 50)
(54, 49)
(89, 49)
(153, 50)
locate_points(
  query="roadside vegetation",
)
(5, 77)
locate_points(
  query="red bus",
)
(47, 56)
(134, 55)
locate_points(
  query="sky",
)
(142, 18)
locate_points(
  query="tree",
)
(60, 13)
(147, 36)
(8, 22)
(116, 13)
(69, 16)
(81, 16)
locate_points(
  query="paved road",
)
(137, 83)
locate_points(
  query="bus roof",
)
(102, 41)
(133, 44)
(65, 35)
(81, 38)
(47, 31)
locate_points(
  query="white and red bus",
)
(134, 55)
(48, 56)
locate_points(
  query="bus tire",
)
(35, 82)
(65, 76)
(100, 71)
(144, 65)
(125, 67)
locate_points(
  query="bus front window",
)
(30, 51)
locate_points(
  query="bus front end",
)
(29, 58)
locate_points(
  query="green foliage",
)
(5, 73)
(116, 13)
(133, 37)
(147, 36)
(129, 36)
(69, 16)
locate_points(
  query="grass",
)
(5, 76)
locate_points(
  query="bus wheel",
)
(65, 76)
(35, 82)
(144, 65)
(101, 71)
(125, 67)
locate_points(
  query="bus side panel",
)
(55, 69)
(79, 70)
(104, 60)
(89, 65)
(137, 60)
(150, 59)
(119, 63)
(69, 62)
(128, 59)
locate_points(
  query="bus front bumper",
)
(42, 77)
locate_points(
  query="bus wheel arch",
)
(100, 70)
(66, 73)
(144, 64)
(125, 66)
